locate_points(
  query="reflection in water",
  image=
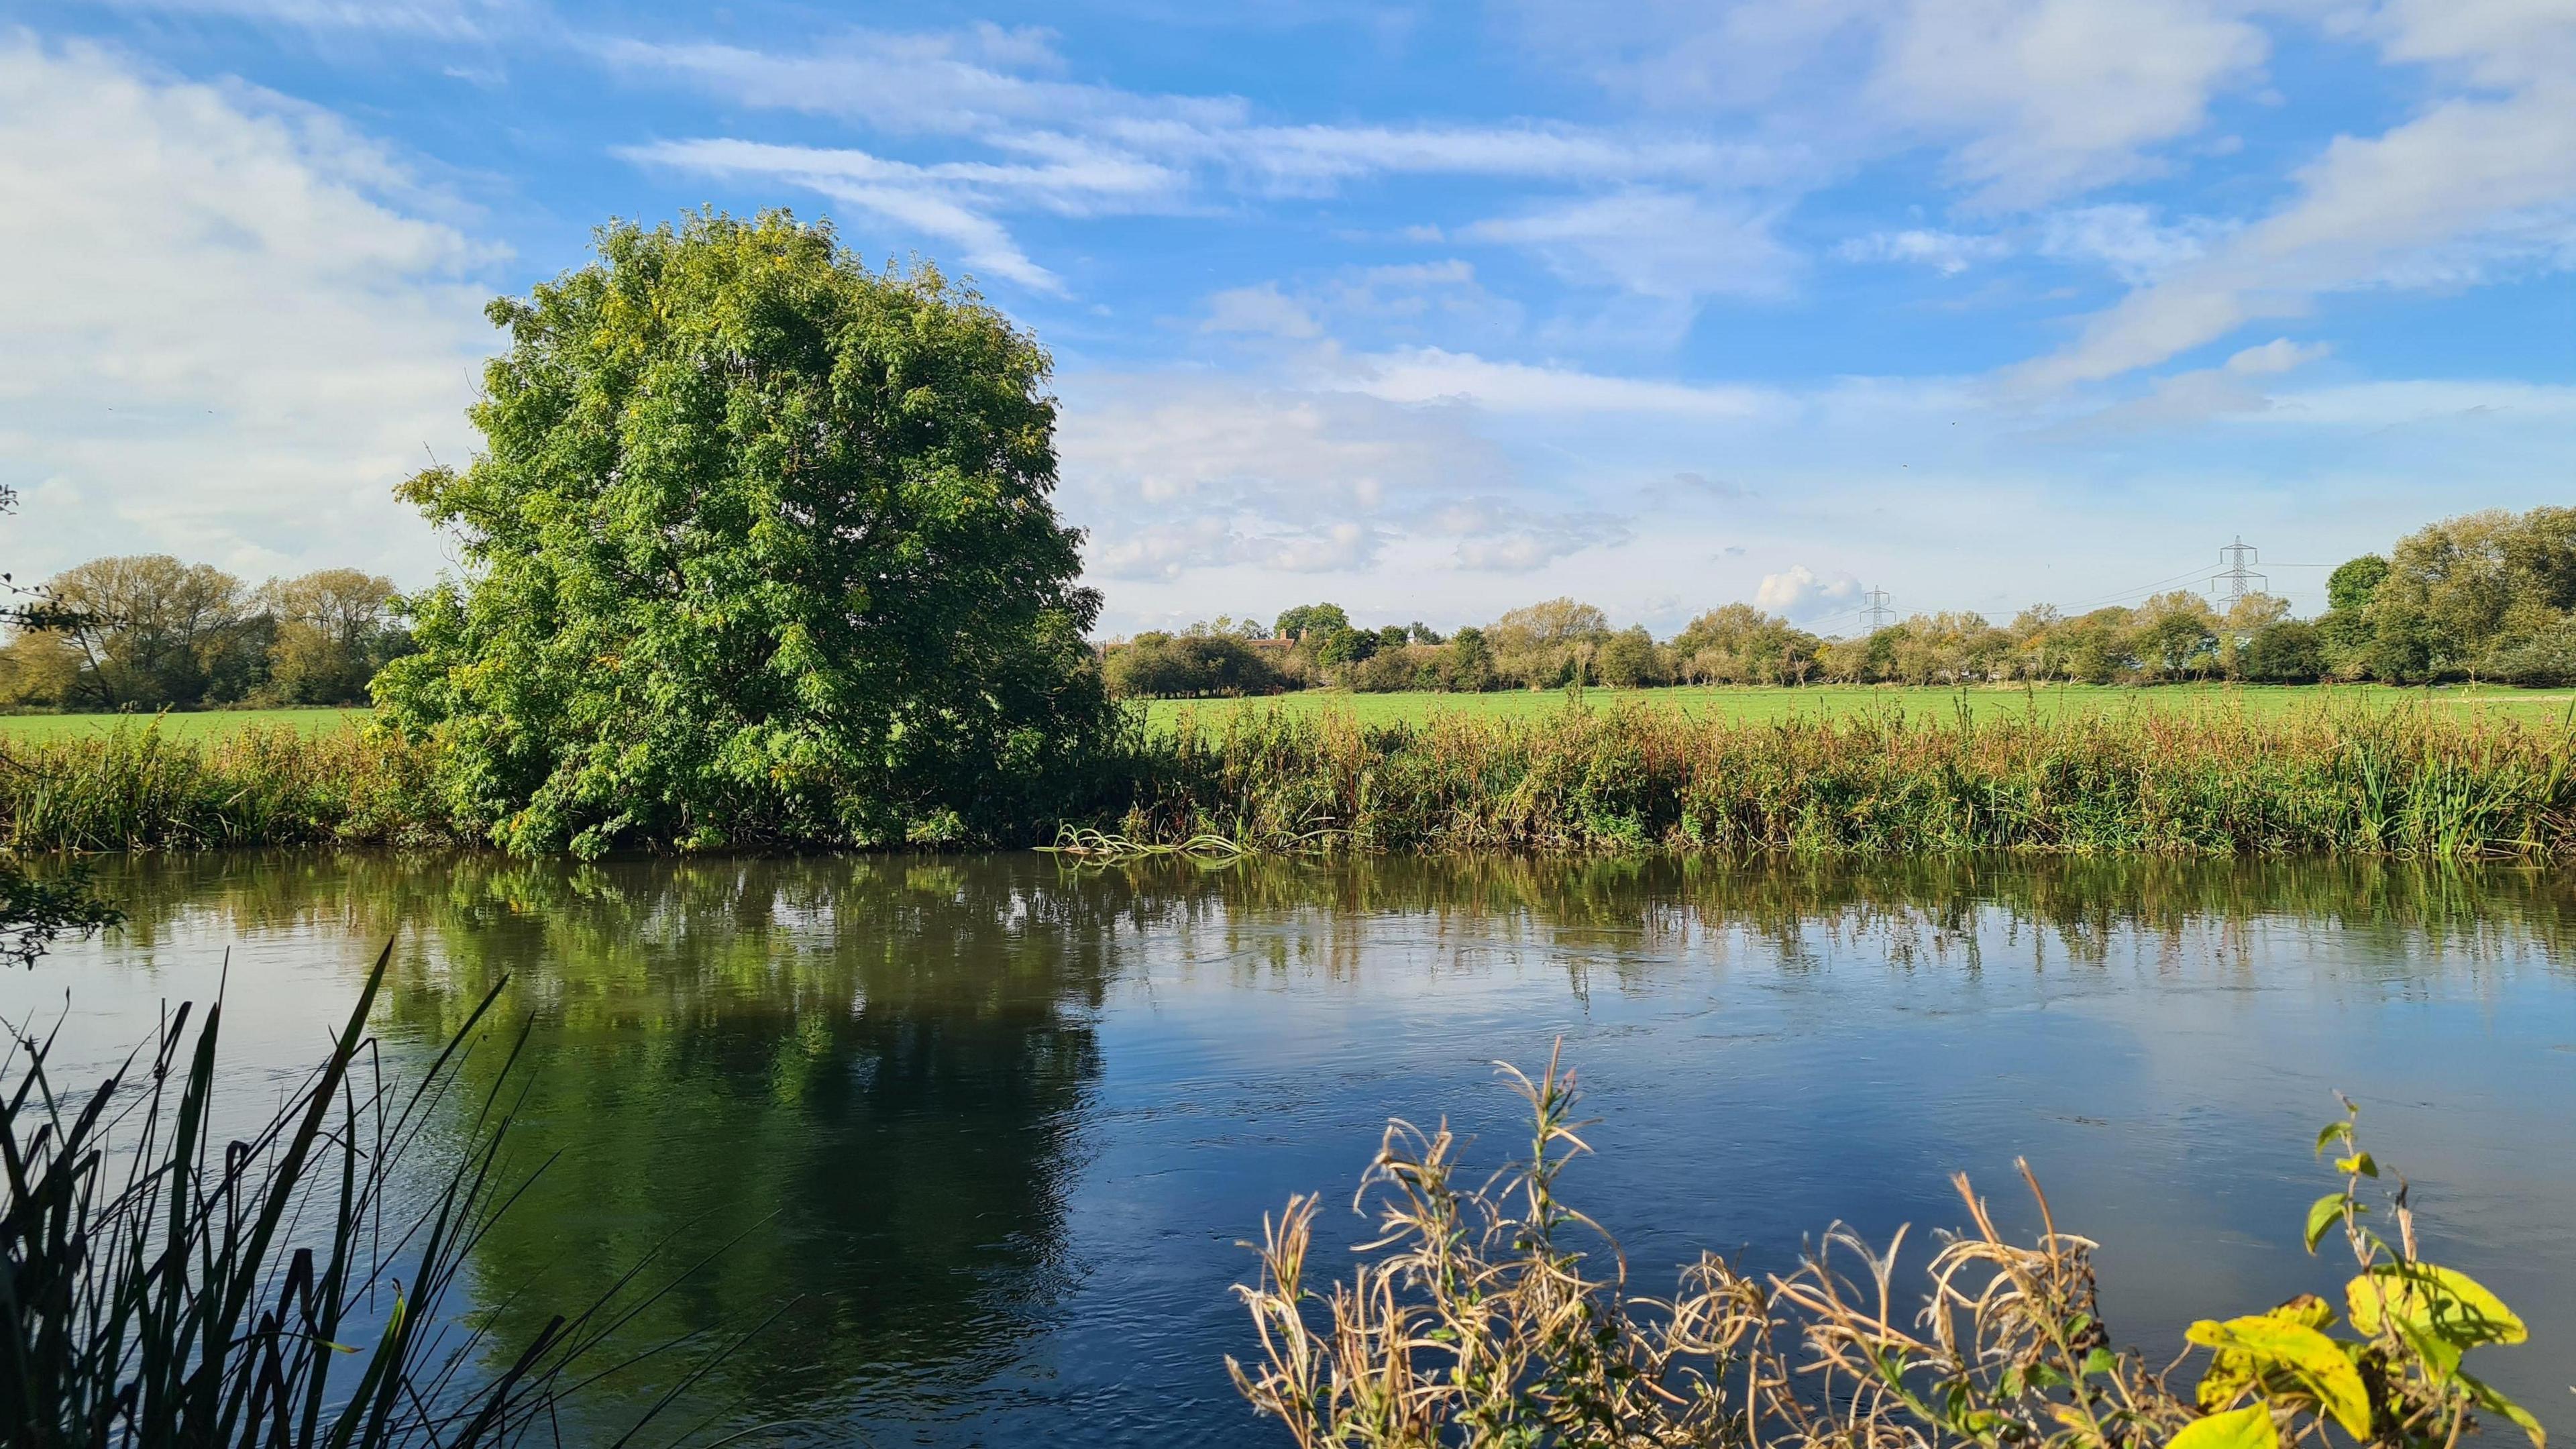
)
(991, 1129)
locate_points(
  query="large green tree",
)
(760, 547)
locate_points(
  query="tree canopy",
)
(760, 545)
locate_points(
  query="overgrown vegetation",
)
(1490, 1312)
(2407, 782)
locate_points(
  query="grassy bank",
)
(2415, 782)
(2219, 781)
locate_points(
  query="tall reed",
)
(136, 788)
(166, 1287)
(2408, 782)
(2404, 783)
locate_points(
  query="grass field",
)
(1723, 704)
(1761, 705)
(204, 724)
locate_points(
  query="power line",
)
(1880, 615)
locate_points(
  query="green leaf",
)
(2360, 1162)
(2323, 1214)
(2444, 1304)
(2316, 1361)
(2489, 1398)
(2101, 1361)
(2246, 1428)
(2331, 1132)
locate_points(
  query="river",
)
(986, 1133)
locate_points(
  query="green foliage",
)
(1199, 664)
(760, 547)
(1298, 622)
(2355, 581)
(2286, 652)
(1499, 1315)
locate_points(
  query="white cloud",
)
(2034, 100)
(1946, 252)
(241, 330)
(1800, 593)
(2471, 184)
(1496, 536)
(1430, 374)
(1681, 225)
(1673, 245)
(2056, 97)
(437, 19)
(1263, 310)
(2127, 239)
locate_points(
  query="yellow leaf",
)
(2246, 1428)
(2447, 1305)
(2316, 1361)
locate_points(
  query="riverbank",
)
(2205, 782)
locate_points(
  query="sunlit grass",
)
(1754, 704)
(196, 725)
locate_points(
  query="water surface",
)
(989, 1131)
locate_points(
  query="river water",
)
(986, 1133)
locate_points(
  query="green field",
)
(1759, 705)
(201, 724)
(1743, 703)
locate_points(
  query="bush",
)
(2288, 652)
(1191, 666)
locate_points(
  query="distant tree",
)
(1422, 633)
(761, 545)
(1628, 660)
(152, 632)
(2286, 651)
(1471, 660)
(1201, 663)
(2354, 581)
(1296, 623)
(1555, 621)
(2176, 635)
(334, 630)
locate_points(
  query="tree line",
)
(148, 632)
(2488, 595)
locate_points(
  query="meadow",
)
(1759, 704)
(193, 725)
(1719, 704)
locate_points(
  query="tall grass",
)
(139, 788)
(2411, 782)
(2403, 783)
(1487, 1311)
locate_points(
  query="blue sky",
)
(1427, 310)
